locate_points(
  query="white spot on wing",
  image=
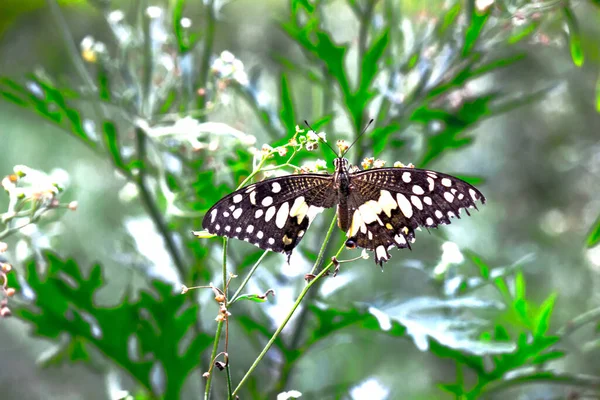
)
(250, 228)
(237, 198)
(260, 234)
(429, 221)
(369, 211)
(270, 213)
(213, 215)
(276, 187)
(271, 241)
(253, 197)
(238, 229)
(299, 209)
(431, 183)
(282, 215)
(427, 200)
(258, 213)
(313, 211)
(404, 204)
(449, 197)
(418, 189)
(406, 177)
(267, 201)
(461, 196)
(381, 253)
(237, 213)
(446, 182)
(387, 202)
(227, 228)
(439, 214)
(473, 194)
(417, 202)
(400, 239)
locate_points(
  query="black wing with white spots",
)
(386, 205)
(273, 214)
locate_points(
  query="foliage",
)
(406, 75)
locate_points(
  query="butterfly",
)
(378, 208)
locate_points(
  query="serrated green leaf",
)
(574, 37)
(64, 305)
(593, 237)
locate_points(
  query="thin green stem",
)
(574, 324)
(224, 267)
(290, 313)
(581, 381)
(247, 278)
(212, 358)
(229, 385)
(323, 248)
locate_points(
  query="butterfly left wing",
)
(386, 205)
(272, 214)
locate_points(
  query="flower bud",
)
(5, 312)
(10, 292)
(3, 247)
(5, 267)
(72, 206)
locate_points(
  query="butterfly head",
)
(341, 164)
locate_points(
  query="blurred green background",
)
(538, 164)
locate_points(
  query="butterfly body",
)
(378, 208)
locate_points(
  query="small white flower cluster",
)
(228, 67)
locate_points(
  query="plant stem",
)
(247, 278)
(581, 381)
(212, 357)
(574, 324)
(323, 248)
(150, 205)
(290, 314)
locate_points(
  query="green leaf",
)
(594, 236)
(474, 30)
(544, 314)
(288, 118)
(111, 139)
(257, 298)
(598, 94)
(574, 37)
(449, 18)
(484, 269)
(103, 84)
(380, 136)
(523, 32)
(519, 286)
(550, 356)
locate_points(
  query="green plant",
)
(159, 108)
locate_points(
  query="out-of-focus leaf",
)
(484, 269)
(574, 37)
(64, 304)
(103, 84)
(544, 314)
(305, 4)
(472, 179)
(476, 25)
(523, 32)
(288, 117)
(380, 137)
(594, 236)
(550, 356)
(111, 139)
(331, 320)
(598, 94)
(449, 18)
(453, 126)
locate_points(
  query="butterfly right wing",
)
(273, 214)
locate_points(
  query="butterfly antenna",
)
(321, 139)
(358, 137)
